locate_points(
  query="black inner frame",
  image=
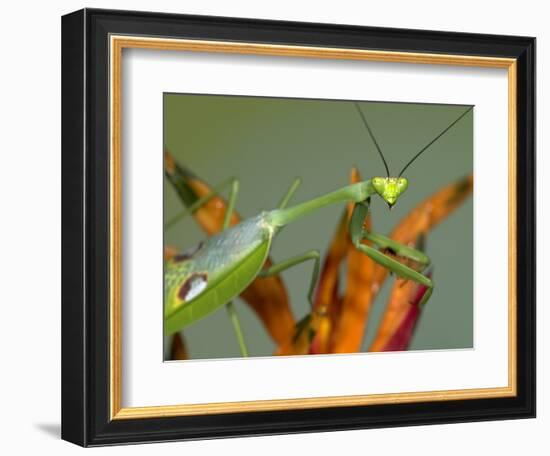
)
(85, 224)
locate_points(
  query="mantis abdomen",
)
(202, 280)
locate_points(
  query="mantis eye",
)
(402, 184)
(379, 184)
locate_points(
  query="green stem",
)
(237, 327)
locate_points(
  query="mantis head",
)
(390, 188)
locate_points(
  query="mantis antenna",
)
(434, 140)
(373, 138)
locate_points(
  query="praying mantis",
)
(209, 276)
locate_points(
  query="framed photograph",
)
(277, 227)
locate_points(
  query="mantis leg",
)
(231, 311)
(279, 267)
(233, 183)
(401, 250)
(289, 193)
(231, 203)
(358, 233)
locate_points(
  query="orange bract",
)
(396, 310)
(178, 350)
(327, 301)
(418, 222)
(300, 343)
(432, 211)
(357, 300)
(210, 215)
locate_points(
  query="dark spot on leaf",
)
(193, 286)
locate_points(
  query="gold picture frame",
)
(117, 46)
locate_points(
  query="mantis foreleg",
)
(400, 250)
(310, 255)
(358, 233)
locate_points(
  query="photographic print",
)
(271, 227)
(311, 226)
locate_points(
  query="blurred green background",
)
(267, 142)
